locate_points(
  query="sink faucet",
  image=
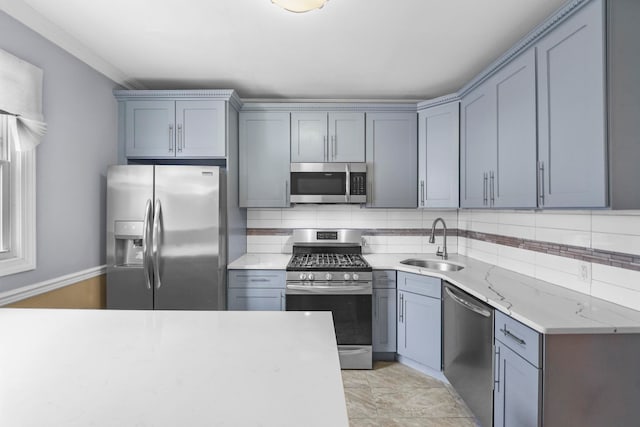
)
(432, 239)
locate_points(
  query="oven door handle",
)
(329, 290)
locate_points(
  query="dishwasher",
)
(468, 350)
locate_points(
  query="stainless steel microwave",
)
(328, 183)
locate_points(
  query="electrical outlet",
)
(584, 272)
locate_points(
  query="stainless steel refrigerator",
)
(166, 237)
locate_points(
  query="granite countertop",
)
(545, 307)
(169, 368)
(253, 261)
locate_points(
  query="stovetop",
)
(327, 261)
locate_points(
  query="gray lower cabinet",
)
(264, 159)
(175, 129)
(392, 168)
(420, 319)
(517, 374)
(327, 137)
(259, 290)
(438, 158)
(384, 311)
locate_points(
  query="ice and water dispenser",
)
(128, 236)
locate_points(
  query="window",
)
(17, 205)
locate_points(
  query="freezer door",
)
(129, 198)
(187, 239)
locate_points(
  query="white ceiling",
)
(359, 49)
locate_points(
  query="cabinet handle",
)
(180, 139)
(492, 188)
(282, 301)
(422, 193)
(286, 192)
(401, 308)
(484, 188)
(509, 334)
(375, 308)
(326, 149)
(334, 139)
(170, 138)
(541, 174)
(496, 378)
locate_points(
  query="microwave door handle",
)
(347, 195)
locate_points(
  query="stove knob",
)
(355, 276)
(346, 276)
(328, 276)
(311, 276)
(303, 276)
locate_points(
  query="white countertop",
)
(169, 368)
(260, 262)
(545, 307)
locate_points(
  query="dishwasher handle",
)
(466, 304)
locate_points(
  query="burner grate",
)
(328, 261)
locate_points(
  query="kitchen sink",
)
(433, 264)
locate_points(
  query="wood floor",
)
(394, 395)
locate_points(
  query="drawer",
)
(419, 284)
(384, 279)
(520, 338)
(257, 279)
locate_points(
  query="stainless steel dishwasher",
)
(468, 350)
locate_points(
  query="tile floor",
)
(394, 395)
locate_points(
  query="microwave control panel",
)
(358, 184)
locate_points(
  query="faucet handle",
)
(439, 252)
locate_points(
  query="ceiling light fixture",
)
(300, 6)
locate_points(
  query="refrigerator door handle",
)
(146, 240)
(156, 243)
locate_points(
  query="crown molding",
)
(445, 99)
(345, 105)
(524, 43)
(28, 16)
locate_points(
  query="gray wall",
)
(81, 140)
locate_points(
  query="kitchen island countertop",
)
(545, 307)
(169, 368)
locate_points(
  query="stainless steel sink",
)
(433, 264)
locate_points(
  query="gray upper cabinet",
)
(438, 160)
(318, 137)
(168, 129)
(200, 128)
(498, 139)
(477, 139)
(264, 159)
(513, 177)
(571, 111)
(391, 160)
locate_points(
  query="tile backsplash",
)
(613, 234)
(554, 246)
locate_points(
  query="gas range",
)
(328, 273)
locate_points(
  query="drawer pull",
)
(507, 333)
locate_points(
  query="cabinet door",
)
(200, 129)
(309, 137)
(571, 111)
(346, 137)
(384, 320)
(149, 129)
(391, 160)
(257, 299)
(477, 146)
(516, 392)
(420, 329)
(513, 182)
(264, 159)
(438, 162)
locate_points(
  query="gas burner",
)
(327, 261)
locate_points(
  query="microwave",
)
(328, 183)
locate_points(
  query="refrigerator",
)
(166, 237)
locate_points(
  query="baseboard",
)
(28, 291)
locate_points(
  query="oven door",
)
(351, 307)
